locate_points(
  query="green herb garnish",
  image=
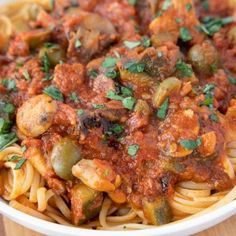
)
(9, 84)
(9, 108)
(80, 112)
(7, 139)
(129, 103)
(162, 111)
(26, 75)
(112, 95)
(4, 126)
(74, 97)
(14, 158)
(54, 92)
(109, 62)
(188, 6)
(134, 67)
(132, 2)
(111, 73)
(190, 144)
(185, 70)
(185, 35)
(20, 163)
(166, 4)
(214, 117)
(146, 42)
(231, 80)
(93, 73)
(78, 43)
(133, 149)
(132, 44)
(98, 106)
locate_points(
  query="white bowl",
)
(187, 227)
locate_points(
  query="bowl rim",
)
(185, 227)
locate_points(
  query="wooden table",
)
(227, 228)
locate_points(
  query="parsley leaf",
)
(112, 95)
(126, 91)
(133, 149)
(4, 126)
(50, 45)
(111, 73)
(185, 70)
(14, 158)
(232, 80)
(132, 2)
(190, 144)
(54, 92)
(185, 35)
(9, 108)
(188, 6)
(74, 97)
(46, 63)
(134, 67)
(20, 163)
(93, 73)
(129, 103)
(80, 112)
(166, 4)
(7, 139)
(146, 42)
(132, 44)
(78, 43)
(208, 88)
(98, 106)
(9, 84)
(109, 62)
(214, 117)
(162, 111)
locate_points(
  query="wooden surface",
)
(227, 228)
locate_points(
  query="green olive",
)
(86, 203)
(204, 57)
(232, 35)
(157, 212)
(165, 89)
(64, 155)
(55, 54)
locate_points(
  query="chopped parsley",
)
(7, 139)
(26, 75)
(178, 20)
(80, 112)
(232, 80)
(109, 62)
(4, 126)
(214, 117)
(166, 4)
(205, 5)
(133, 149)
(112, 95)
(214, 68)
(188, 6)
(46, 63)
(132, 44)
(162, 111)
(14, 158)
(74, 97)
(134, 67)
(129, 103)
(111, 73)
(132, 2)
(9, 108)
(9, 84)
(78, 43)
(184, 69)
(146, 42)
(20, 163)
(211, 25)
(93, 73)
(54, 92)
(50, 45)
(208, 90)
(126, 91)
(185, 35)
(190, 144)
(23, 148)
(98, 106)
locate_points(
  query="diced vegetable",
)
(97, 174)
(168, 86)
(35, 116)
(157, 212)
(85, 203)
(64, 155)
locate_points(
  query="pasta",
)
(117, 115)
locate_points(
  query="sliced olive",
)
(204, 57)
(165, 89)
(64, 155)
(55, 54)
(157, 212)
(86, 203)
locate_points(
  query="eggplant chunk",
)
(64, 155)
(157, 212)
(86, 203)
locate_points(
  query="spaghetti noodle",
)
(117, 114)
